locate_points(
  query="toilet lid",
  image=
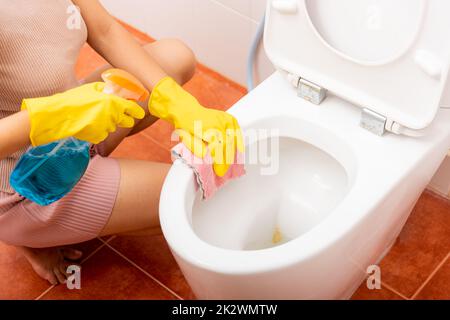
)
(390, 56)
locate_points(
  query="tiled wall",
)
(219, 31)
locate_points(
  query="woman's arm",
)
(116, 45)
(14, 133)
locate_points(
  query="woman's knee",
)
(175, 57)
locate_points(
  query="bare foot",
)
(51, 263)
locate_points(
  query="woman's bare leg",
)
(137, 204)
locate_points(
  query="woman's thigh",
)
(137, 204)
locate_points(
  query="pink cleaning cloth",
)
(208, 182)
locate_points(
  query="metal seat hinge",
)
(311, 91)
(374, 122)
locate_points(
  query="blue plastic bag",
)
(47, 173)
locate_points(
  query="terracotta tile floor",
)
(124, 267)
(417, 267)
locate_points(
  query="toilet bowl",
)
(330, 197)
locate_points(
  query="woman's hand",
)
(85, 113)
(198, 126)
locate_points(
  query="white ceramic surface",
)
(341, 194)
(401, 80)
(328, 258)
(307, 187)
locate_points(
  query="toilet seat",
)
(302, 41)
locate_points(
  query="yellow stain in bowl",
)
(277, 236)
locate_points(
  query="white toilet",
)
(350, 168)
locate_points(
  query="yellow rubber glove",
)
(198, 126)
(85, 113)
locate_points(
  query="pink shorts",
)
(80, 216)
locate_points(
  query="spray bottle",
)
(46, 173)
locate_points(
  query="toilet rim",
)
(178, 231)
(179, 192)
(370, 155)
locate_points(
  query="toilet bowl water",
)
(261, 211)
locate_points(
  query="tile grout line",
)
(82, 261)
(235, 11)
(438, 194)
(389, 288)
(205, 71)
(145, 272)
(394, 291)
(98, 249)
(45, 292)
(436, 270)
(148, 136)
(107, 241)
